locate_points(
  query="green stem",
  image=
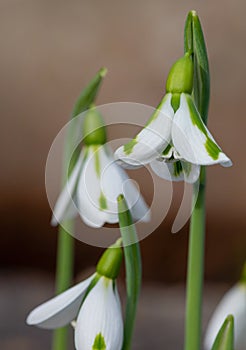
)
(193, 324)
(64, 273)
(133, 269)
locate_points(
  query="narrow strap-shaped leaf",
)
(133, 269)
(225, 337)
(194, 42)
(65, 244)
(85, 100)
(188, 35)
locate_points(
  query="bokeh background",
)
(49, 52)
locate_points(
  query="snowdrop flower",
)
(93, 303)
(96, 181)
(175, 140)
(233, 302)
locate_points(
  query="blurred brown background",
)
(49, 52)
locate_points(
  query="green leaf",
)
(84, 102)
(133, 268)
(89, 93)
(188, 37)
(194, 42)
(225, 337)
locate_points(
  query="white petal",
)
(114, 182)
(191, 172)
(191, 137)
(100, 314)
(234, 302)
(89, 193)
(64, 207)
(60, 310)
(151, 141)
(98, 190)
(135, 202)
(111, 183)
(176, 170)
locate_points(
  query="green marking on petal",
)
(186, 166)
(167, 149)
(91, 286)
(195, 117)
(97, 160)
(86, 153)
(106, 281)
(157, 111)
(99, 343)
(177, 168)
(212, 148)
(103, 202)
(128, 147)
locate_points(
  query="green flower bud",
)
(180, 77)
(110, 262)
(94, 130)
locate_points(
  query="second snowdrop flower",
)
(175, 141)
(96, 181)
(92, 305)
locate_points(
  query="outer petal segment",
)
(64, 208)
(101, 316)
(60, 310)
(151, 141)
(192, 139)
(91, 200)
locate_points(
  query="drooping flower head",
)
(93, 307)
(96, 181)
(175, 140)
